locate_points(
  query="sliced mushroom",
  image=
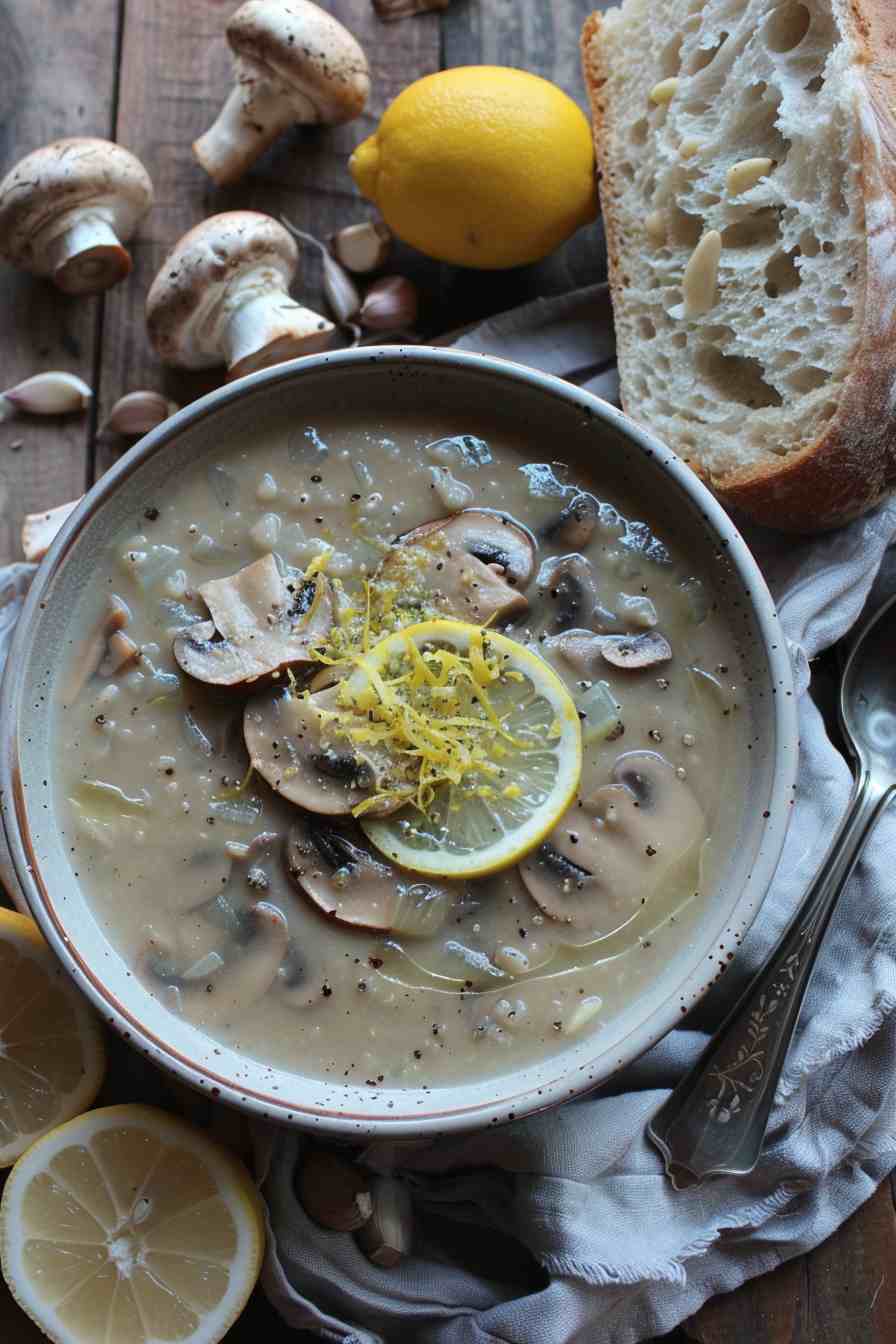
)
(292, 63)
(120, 651)
(261, 623)
(584, 651)
(574, 525)
(333, 864)
(225, 981)
(222, 297)
(471, 564)
(295, 749)
(611, 852)
(90, 652)
(634, 652)
(570, 586)
(67, 208)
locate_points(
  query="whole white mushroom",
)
(66, 210)
(222, 297)
(293, 63)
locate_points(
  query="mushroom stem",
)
(251, 119)
(269, 328)
(86, 256)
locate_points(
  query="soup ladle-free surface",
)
(714, 1121)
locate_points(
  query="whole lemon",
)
(482, 166)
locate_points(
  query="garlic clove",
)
(339, 289)
(390, 303)
(137, 413)
(53, 393)
(386, 1237)
(333, 1191)
(362, 248)
(39, 529)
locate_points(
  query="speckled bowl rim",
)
(508, 1101)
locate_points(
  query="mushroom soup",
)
(240, 764)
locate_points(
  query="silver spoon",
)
(714, 1122)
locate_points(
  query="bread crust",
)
(851, 466)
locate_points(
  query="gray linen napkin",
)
(563, 1228)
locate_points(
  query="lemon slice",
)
(127, 1225)
(52, 1056)
(492, 734)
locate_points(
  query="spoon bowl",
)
(868, 695)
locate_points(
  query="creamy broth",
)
(200, 872)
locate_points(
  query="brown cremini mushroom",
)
(472, 565)
(222, 297)
(66, 210)
(262, 622)
(293, 63)
(334, 866)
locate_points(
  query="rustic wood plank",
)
(57, 76)
(543, 39)
(844, 1292)
(767, 1310)
(175, 75)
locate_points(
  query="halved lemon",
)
(52, 1055)
(490, 741)
(126, 1225)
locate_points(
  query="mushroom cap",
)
(307, 52)
(471, 564)
(569, 581)
(189, 294)
(369, 891)
(293, 749)
(611, 852)
(74, 174)
(261, 622)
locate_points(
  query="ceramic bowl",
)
(550, 413)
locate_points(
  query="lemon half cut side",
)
(498, 737)
(52, 1053)
(129, 1226)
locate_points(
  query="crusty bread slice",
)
(778, 382)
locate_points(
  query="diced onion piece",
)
(599, 713)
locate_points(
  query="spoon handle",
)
(714, 1121)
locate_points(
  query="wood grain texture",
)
(544, 39)
(175, 74)
(57, 77)
(843, 1292)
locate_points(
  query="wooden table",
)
(152, 74)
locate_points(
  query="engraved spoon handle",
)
(714, 1122)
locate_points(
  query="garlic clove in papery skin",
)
(136, 413)
(362, 248)
(53, 393)
(340, 290)
(390, 303)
